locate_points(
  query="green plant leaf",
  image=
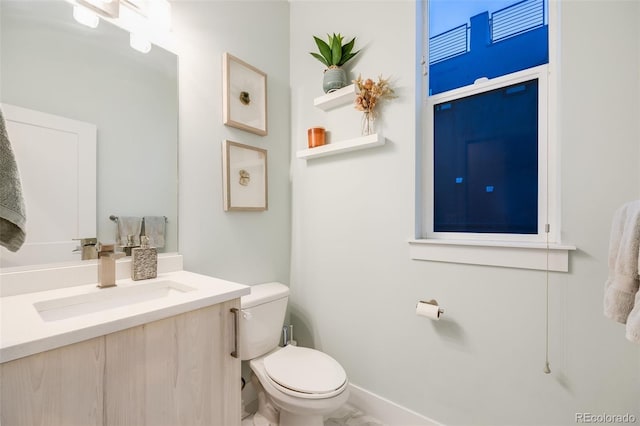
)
(336, 50)
(346, 58)
(320, 58)
(347, 48)
(346, 52)
(324, 49)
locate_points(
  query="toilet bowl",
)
(296, 386)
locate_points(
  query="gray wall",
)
(247, 247)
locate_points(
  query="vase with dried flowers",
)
(368, 94)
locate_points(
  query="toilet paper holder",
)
(432, 302)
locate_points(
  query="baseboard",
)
(388, 412)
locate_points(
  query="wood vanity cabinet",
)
(58, 387)
(175, 371)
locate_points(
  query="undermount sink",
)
(104, 299)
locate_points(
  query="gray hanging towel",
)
(128, 225)
(13, 216)
(154, 228)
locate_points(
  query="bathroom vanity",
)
(143, 353)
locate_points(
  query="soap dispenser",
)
(144, 261)
(131, 244)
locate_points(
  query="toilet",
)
(296, 386)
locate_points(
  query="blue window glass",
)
(471, 39)
(486, 162)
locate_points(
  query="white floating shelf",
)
(335, 99)
(355, 144)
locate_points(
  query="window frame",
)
(545, 193)
(552, 254)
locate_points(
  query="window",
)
(486, 161)
(471, 39)
(487, 173)
(487, 152)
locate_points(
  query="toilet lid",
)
(305, 370)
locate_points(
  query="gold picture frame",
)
(244, 94)
(244, 177)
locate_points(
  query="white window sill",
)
(494, 253)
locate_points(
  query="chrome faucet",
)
(107, 265)
(88, 248)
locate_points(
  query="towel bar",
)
(115, 218)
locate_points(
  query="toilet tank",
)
(262, 318)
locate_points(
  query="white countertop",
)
(24, 331)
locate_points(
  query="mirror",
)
(52, 64)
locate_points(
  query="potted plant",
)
(334, 54)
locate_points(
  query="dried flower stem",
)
(370, 93)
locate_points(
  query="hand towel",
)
(128, 225)
(13, 216)
(154, 228)
(621, 298)
(633, 321)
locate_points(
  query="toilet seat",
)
(305, 373)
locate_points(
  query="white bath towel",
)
(154, 228)
(128, 225)
(13, 215)
(621, 297)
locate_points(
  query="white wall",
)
(247, 247)
(354, 288)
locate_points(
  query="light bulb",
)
(85, 16)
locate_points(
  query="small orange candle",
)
(316, 136)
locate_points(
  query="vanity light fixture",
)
(146, 20)
(160, 16)
(139, 6)
(139, 42)
(85, 16)
(104, 8)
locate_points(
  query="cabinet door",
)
(62, 386)
(176, 371)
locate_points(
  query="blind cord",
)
(547, 228)
(547, 369)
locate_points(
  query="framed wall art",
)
(244, 93)
(244, 177)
